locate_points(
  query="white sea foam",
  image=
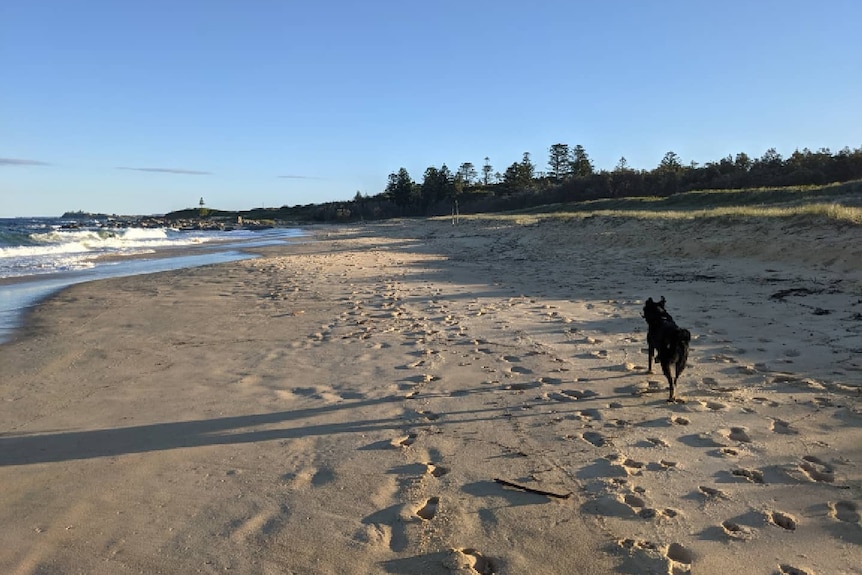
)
(66, 250)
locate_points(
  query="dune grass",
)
(839, 203)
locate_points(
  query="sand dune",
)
(349, 405)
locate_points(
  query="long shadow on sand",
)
(74, 445)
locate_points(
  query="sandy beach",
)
(375, 400)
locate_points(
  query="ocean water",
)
(39, 256)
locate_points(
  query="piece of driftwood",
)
(532, 490)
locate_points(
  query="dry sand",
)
(346, 405)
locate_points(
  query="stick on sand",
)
(532, 490)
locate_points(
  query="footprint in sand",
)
(786, 569)
(594, 437)
(739, 434)
(846, 511)
(638, 544)
(436, 470)
(817, 470)
(579, 393)
(655, 558)
(428, 511)
(554, 396)
(765, 401)
(721, 358)
(679, 420)
(783, 520)
(639, 507)
(520, 370)
(633, 500)
(633, 467)
(712, 492)
(590, 415)
(736, 531)
(679, 554)
(752, 475)
(405, 440)
(469, 562)
(782, 427)
(658, 441)
(522, 386)
(322, 477)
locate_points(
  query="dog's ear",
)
(650, 301)
(662, 301)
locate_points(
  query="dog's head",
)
(654, 311)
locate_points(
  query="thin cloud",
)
(167, 171)
(20, 162)
(292, 177)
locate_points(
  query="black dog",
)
(667, 341)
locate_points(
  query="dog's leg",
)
(681, 355)
(665, 367)
(650, 356)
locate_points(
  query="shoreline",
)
(349, 405)
(20, 293)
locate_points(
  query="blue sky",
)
(137, 107)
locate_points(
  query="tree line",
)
(570, 175)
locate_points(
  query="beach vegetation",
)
(805, 184)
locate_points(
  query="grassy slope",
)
(841, 202)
